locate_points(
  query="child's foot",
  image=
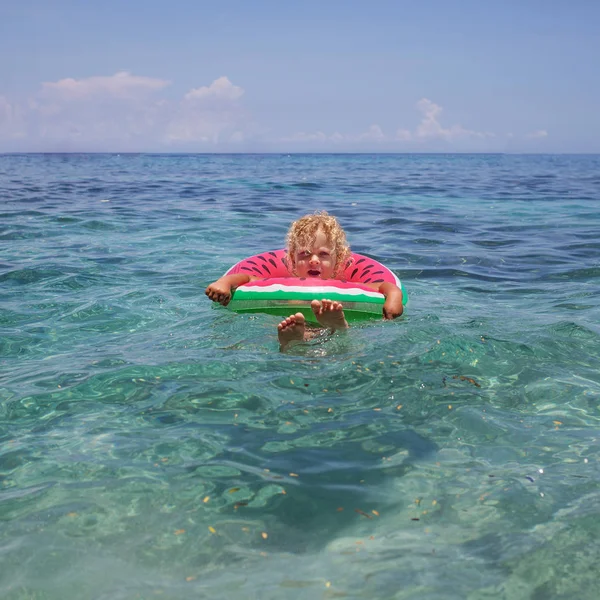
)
(291, 330)
(329, 314)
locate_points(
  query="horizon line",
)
(283, 153)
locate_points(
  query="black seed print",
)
(353, 273)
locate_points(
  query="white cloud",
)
(428, 129)
(537, 135)
(120, 85)
(317, 136)
(119, 111)
(430, 126)
(221, 89)
(302, 136)
(124, 112)
(373, 134)
(209, 114)
(403, 135)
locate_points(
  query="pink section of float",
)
(360, 269)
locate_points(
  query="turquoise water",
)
(153, 445)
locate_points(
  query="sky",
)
(288, 76)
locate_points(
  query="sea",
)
(156, 445)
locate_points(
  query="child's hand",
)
(392, 309)
(393, 306)
(219, 291)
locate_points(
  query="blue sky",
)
(277, 76)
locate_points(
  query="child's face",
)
(318, 260)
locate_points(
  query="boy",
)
(316, 247)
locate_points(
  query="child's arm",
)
(393, 306)
(220, 291)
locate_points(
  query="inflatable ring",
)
(279, 293)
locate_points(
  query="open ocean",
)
(154, 445)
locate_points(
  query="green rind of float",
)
(354, 311)
(249, 295)
(284, 303)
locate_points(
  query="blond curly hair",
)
(302, 233)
